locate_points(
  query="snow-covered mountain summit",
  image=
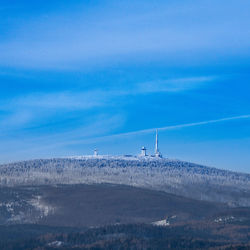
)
(172, 176)
(117, 157)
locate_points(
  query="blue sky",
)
(79, 75)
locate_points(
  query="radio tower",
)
(157, 153)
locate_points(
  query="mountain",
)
(172, 176)
(96, 205)
(110, 216)
(122, 203)
(100, 204)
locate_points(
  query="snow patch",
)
(117, 157)
(40, 206)
(56, 243)
(161, 223)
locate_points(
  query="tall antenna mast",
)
(156, 142)
(157, 153)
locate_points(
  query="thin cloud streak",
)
(185, 125)
(145, 131)
(151, 130)
(173, 85)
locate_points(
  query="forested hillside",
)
(172, 176)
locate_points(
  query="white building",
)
(143, 151)
(95, 152)
(157, 152)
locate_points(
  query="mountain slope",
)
(172, 176)
(103, 204)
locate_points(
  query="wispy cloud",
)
(173, 85)
(29, 109)
(25, 109)
(109, 33)
(16, 118)
(86, 134)
(55, 143)
(62, 100)
(178, 126)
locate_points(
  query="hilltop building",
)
(143, 151)
(95, 152)
(157, 152)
